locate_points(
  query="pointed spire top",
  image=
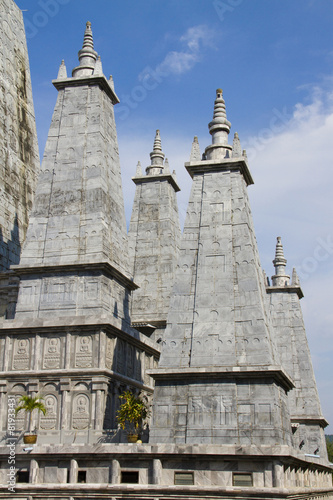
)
(294, 278)
(138, 172)
(236, 147)
(166, 166)
(62, 73)
(219, 129)
(111, 82)
(280, 278)
(87, 55)
(219, 123)
(156, 157)
(195, 151)
(98, 67)
(157, 142)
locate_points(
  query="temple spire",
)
(280, 278)
(87, 55)
(156, 157)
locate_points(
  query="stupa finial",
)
(87, 55)
(156, 157)
(280, 278)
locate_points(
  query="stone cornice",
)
(229, 164)
(99, 80)
(160, 177)
(105, 267)
(81, 323)
(310, 420)
(285, 289)
(275, 372)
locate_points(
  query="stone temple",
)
(188, 321)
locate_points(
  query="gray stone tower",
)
(19, 158)
(220, 379)
(71, 337)
(154, 236)
(307, 421)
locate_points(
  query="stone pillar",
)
(73, 471)
(7, 354)
(38, 354)
(278, 479)
(102, 349)
(3, 404)
(33, 389)
(68, 351)
(65, 406)
(34, 468)
(115, 472)
(157, 471)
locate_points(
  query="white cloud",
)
(193, 43)
(292, 197)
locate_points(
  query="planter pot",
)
(30, 438)
(132, 438)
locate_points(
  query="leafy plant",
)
(29, 404)
(133, 411)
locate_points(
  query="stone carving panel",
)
(81, 412)
(109, 352)
(83, 352)
(21, 358)
(52, 352)
(49, 421)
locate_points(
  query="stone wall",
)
(19, 158)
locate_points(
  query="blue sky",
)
(273, 61)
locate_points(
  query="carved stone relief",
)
(81, 412)
(83, 352)
(51, 353)
(21, 358)
(109, 352)
(49, 421)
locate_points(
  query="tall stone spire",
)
(78, 218)
(156, 157)
(154, 235)
(19, 157)
(307, 420)
(218, 326)
(280, 278)
(87, 55)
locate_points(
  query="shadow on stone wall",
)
(10, 251)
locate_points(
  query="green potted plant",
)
(29, 404)
(131, 414)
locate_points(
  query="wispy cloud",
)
(192, 42)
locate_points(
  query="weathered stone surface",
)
(218, 316)
(19, 157)
(307, 420)
(221, 424)
(154, 236)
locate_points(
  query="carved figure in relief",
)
(21, 354)
(52, 353)
(49, 420)
(22, 347)
(83, 358)
(81, 412)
